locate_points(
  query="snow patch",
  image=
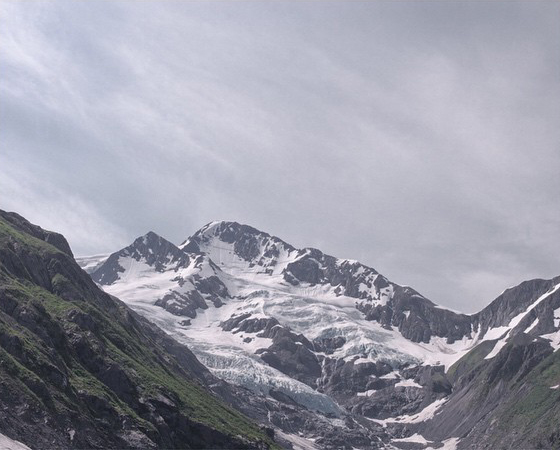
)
(367, 393)
(515, 321)
(416, 438)
(557, 317)
(448, 444)
(298, 442)
(497, 347)
(361, 361)
(554, 339)
(91, 263)
(499, 331)
(408, 383)
(533, 325)
(495, 333)
(394, 375)
(9, 444)
(426, 414)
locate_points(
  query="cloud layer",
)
(422, 138)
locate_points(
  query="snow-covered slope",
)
(9, 444)
(332, 335)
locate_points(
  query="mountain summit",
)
(231, 244)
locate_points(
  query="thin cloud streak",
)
(59, 210)
(421, 138)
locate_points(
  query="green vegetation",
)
(470, 360)
(25, 378)
(535, 399)
(10, 234)
(82, 380)
(527, 409)
(39, 357)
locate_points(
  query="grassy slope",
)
(39, 363)
(532, 413)
(528, 414)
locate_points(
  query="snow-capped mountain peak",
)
(236, 246)
(225, 242)
(330, 335)
(150, 249)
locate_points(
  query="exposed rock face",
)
(514, 301)
(417, 318)
(315, 267)
(55, 239)
(245, 322)
(78, 369)
(289, 353)
(182, 304)
(499, 402)
(192, 279)
(344, 379)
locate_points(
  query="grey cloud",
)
(419, 137)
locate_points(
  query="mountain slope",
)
(506, 390)
(262, 279)
(79, 369)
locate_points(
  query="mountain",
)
(337, 339)
(506, 391)
(321, 352)
(187, 297)
(295, 316)
(80, 369)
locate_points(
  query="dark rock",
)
(282, 397)
(182, 304)
(328, 344)
(83, 320)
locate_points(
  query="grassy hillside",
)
(506, 402)
(79, 369)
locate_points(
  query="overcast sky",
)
(421, 138)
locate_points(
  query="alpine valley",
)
(263, 346)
